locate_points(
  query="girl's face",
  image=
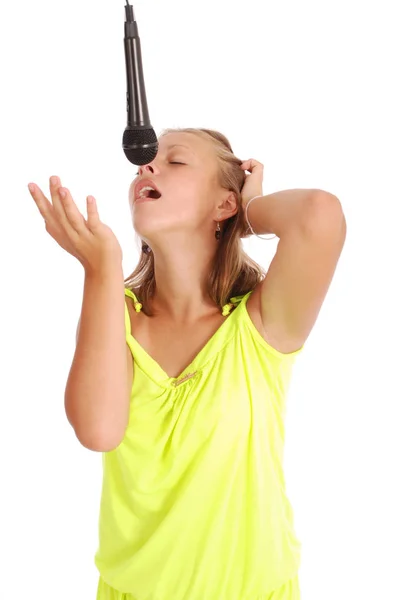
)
(185, 171)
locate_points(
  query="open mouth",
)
(148, 192)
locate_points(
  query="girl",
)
(181, 371)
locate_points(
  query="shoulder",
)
(253, 308)
(281, 344)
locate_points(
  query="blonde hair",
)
(233, 273)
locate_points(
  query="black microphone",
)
(139, 140)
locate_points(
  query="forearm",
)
(96, 396)
(282, 211)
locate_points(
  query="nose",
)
(146, 169)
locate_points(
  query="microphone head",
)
(140, 145)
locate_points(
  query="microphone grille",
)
(140, 145)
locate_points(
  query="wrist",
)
(105, 271)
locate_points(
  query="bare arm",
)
(97, 391)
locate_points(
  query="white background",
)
(311, 89)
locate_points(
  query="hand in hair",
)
(253, 185)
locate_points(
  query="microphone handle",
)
(137, 107)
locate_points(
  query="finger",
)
(55, 186)
(251, 164)
(93, 215)
(45, 207)
(73, 218)
(247, 165)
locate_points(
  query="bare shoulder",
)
(253, 308)
(285, 346)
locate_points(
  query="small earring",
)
(218, 232)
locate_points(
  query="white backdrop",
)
(311, 89)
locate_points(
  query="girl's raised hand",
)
(92, 242)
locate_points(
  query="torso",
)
(173, 350)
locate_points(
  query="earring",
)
(217, 233)
(146, 248)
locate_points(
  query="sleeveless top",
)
(193, 503)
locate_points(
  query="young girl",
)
(181, 371)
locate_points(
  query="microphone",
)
(139, 140)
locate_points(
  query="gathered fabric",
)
(194, 502)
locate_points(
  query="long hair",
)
(233, 272)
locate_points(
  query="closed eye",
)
(171, 163)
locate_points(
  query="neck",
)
(181, 292)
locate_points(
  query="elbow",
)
(325, 206)
(100, 437)
(325, 212)
(98, 443)
(95, 440)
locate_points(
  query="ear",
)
(234, 204)
(228, 205)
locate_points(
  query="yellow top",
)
(193, 503)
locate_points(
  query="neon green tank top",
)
(193, 503)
